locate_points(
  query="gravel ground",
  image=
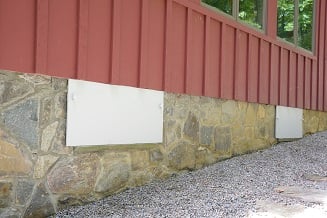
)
(238, 187)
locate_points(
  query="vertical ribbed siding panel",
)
(241, 66)
(115, 42)
(42, 25)
(99, 41)
(320, 49)
(292, 80)
(227, 69)
(300, 82)
(253, 69)
(314, 86)
(156, 45)
(274, 75)
(195, 53)
(130, 43)
(283, 79)
(63, 38)
(264, 72)
(17, 35)
(212, 58)
(178, 49)
(307, 84)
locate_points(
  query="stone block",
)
(115, 172)
(22, 120)
(206, 135)
(74, 175)
(45, 112)
(59, 83)
(43, 164)
(223, 139)
(47, 136)
(41, 204)
(140, 159)
(12, 160)
(229, 107)
(182, 156)
(24, 191)
(156, 155)
(60, 105)
(10, 212)
(191, 127)
(5, 194)
(13, 90)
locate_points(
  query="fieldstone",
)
(36, 80)
(191, 127)
(60, 105)
(24, 191)
(5, 194)
(140, 159)
(229, 107)
(40, 205)
(156, 156)
(115, 172)
(43, 164)
(23, 121)
(10, 212)
(261, 114)
(59, 141)
(45, 112)
(206, 133)
(11, 91)
(182, 157)
(305, 194)
(59, 83)
(223, 139)
(12, 160)
(315, 177)
(75, 175)
(250, 117)
(47, 136)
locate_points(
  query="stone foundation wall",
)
(40, 175)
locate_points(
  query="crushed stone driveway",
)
(287, 180)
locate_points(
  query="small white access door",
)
(288, 122)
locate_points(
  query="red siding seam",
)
(247, 67)
(42, 23)
(143, 70)
(222, 38)
(236, 62)
(206, 65)
(115, 52)
(82, 59)
(269, 74)
(188, 53)
(258, 76)
(168, 24)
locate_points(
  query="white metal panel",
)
(100, 114)
(288, 122)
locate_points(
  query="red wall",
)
(173, 45)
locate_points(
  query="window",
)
(248, 11)
(295, 22)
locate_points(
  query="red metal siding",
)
(174, 45)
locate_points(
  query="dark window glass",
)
(223, 5)
(251, 12)
(285, 20)
(305, 24)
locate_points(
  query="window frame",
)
(235, 13)
(296, 29)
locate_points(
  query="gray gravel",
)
(232, 188)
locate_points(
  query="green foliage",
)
(223, 5)
(286, 22)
